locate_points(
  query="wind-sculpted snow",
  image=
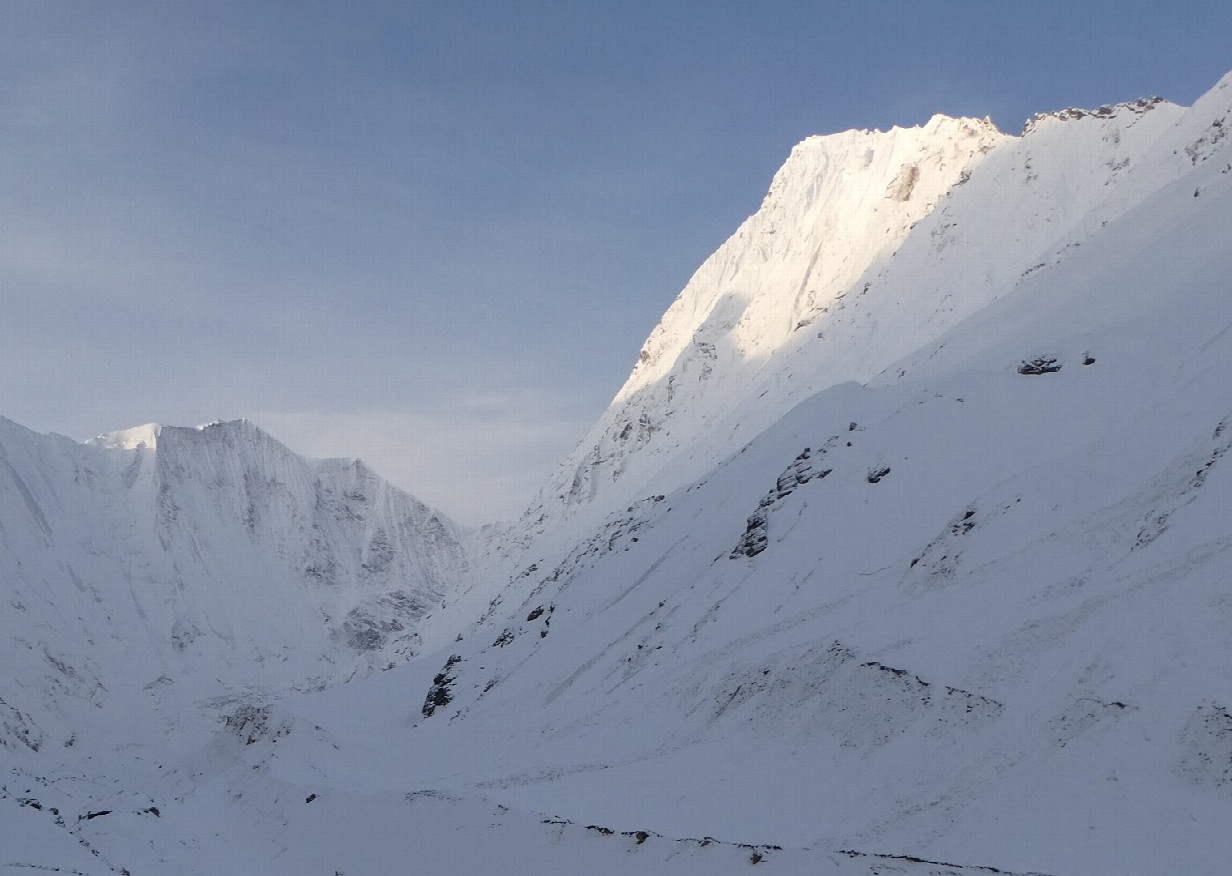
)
(913, 563)
(163, 565)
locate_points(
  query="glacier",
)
(903, 549)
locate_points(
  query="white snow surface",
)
(158, 571)
(868, 246)
(905, 549)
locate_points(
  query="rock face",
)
(201, 562)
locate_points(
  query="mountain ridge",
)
(207, 551)
(1064, 210)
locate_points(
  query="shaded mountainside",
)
(903, 550)
(191, 564)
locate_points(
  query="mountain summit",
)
(868, 246)
(196, 564)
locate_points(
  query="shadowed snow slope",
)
(163, 566)
(915, 563)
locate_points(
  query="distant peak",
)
(242, 424)
(148, 436)
(136, 438)
(942, 122)
(939, 125)
(1107, 111)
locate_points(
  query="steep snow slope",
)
(978, 613)
(868, 246)
(160, 569)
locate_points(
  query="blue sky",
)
(434, 235)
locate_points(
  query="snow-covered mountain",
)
(165, 569)
(903, 550)
(868, 246)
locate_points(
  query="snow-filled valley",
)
(904, 549)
